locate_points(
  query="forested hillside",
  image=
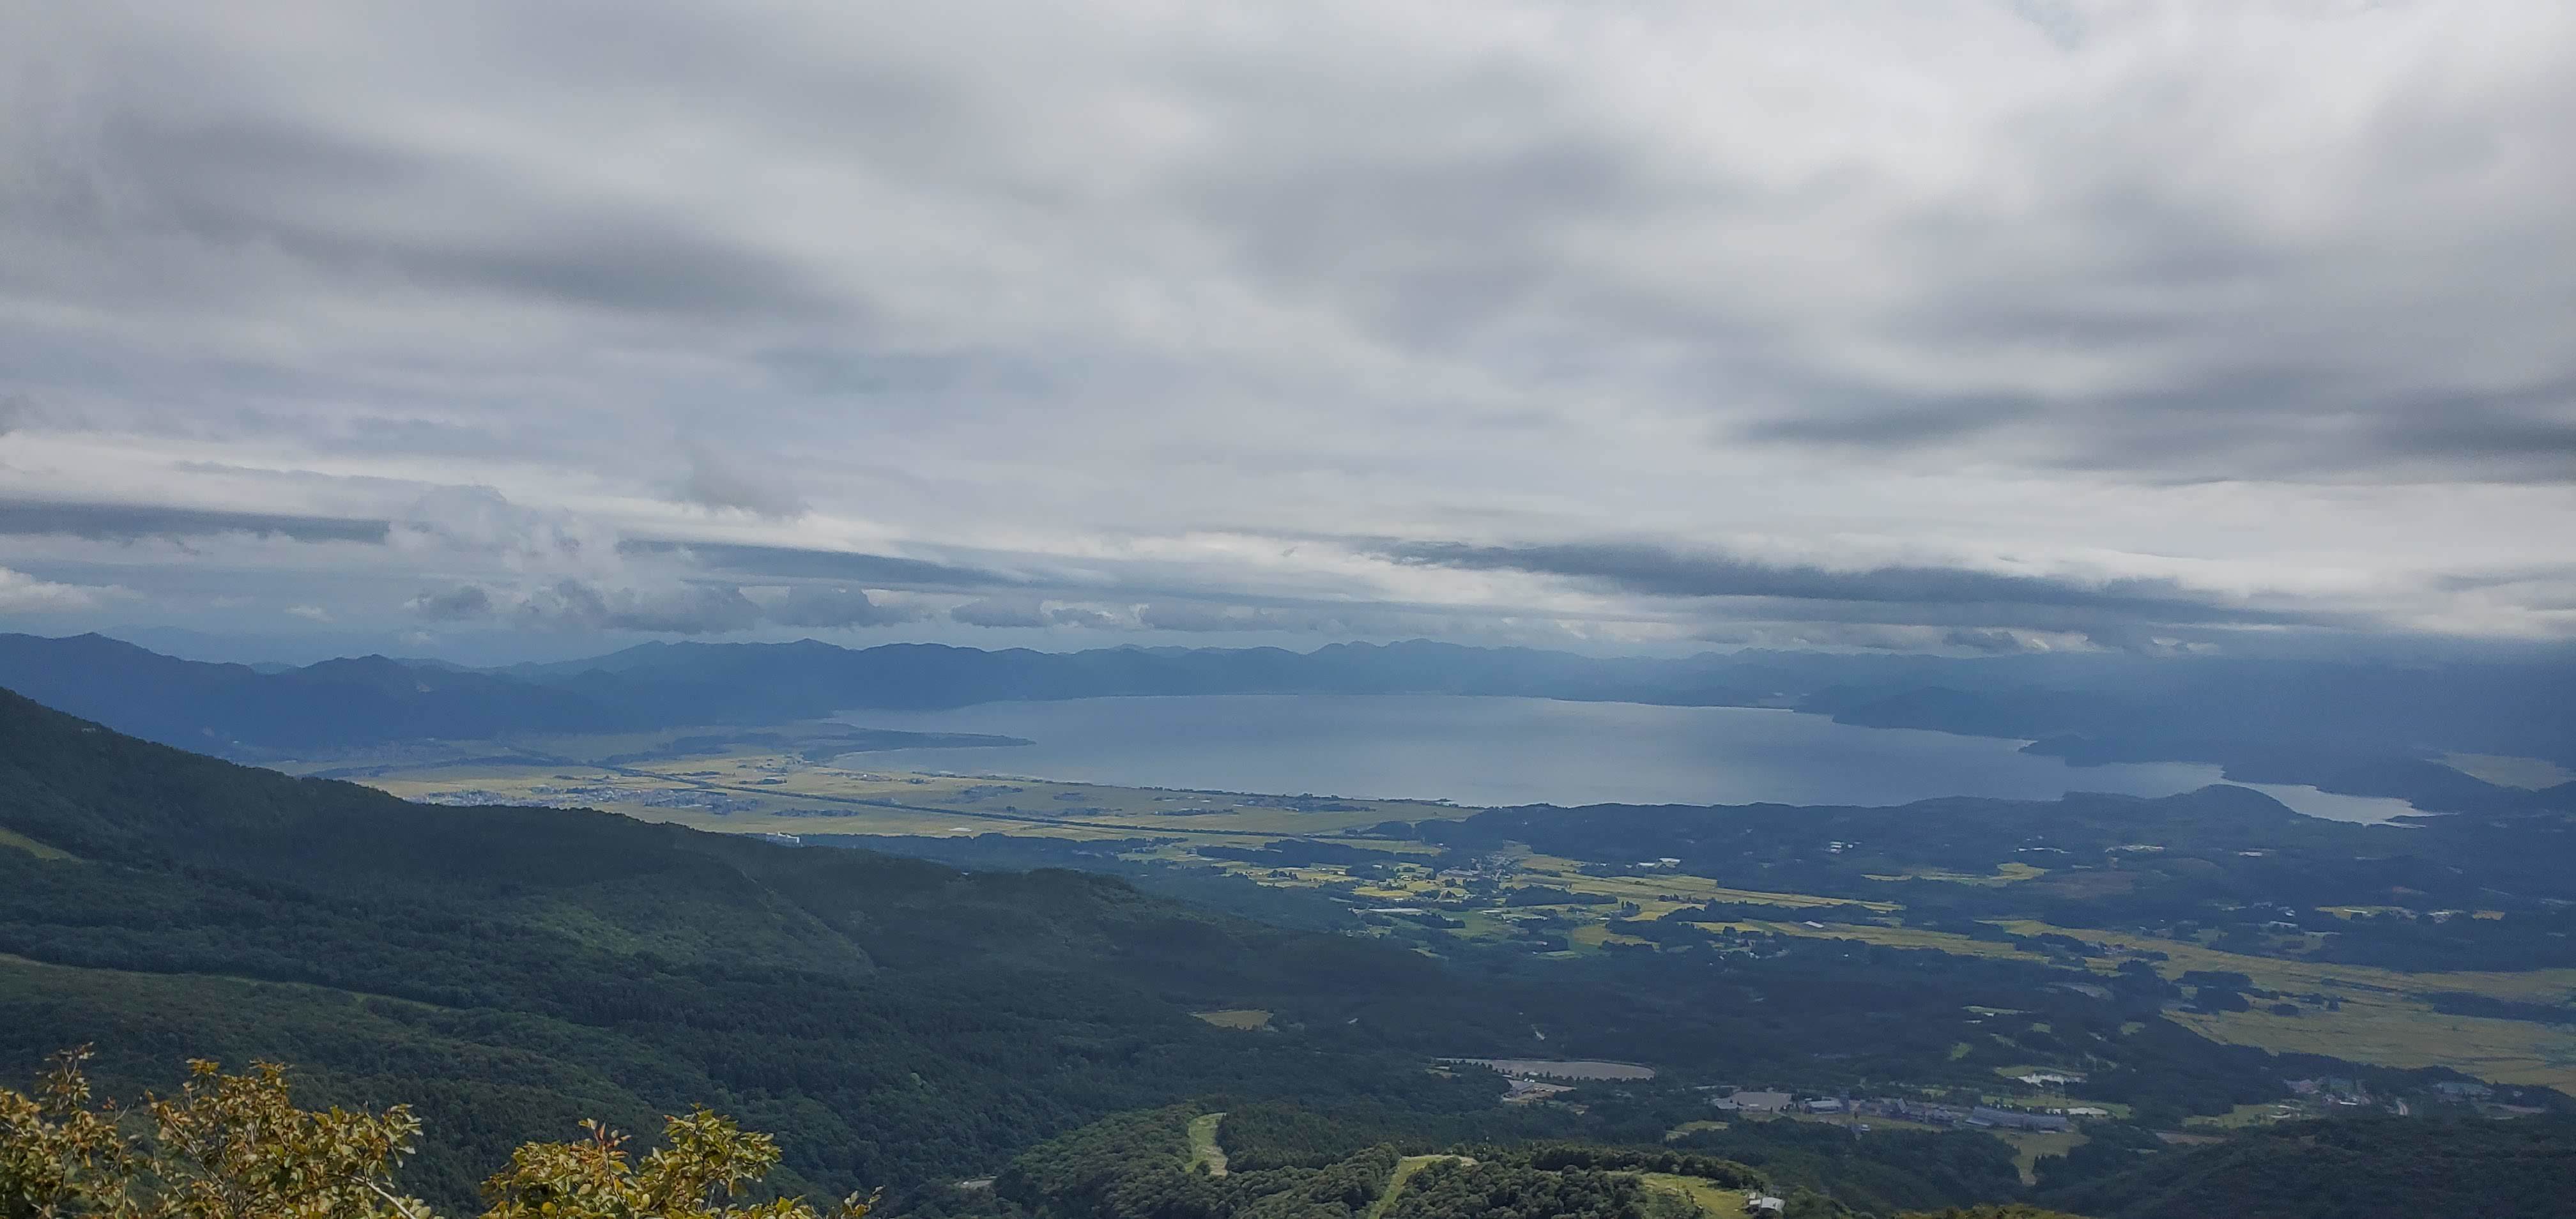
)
(2357, 1169)
(1139, 1166)
(510, 970)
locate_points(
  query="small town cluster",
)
(1764, 1104)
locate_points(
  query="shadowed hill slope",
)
(2375, 1168)
(896, 1020)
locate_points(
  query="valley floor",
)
(792, 782)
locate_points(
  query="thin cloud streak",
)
(1670, 572)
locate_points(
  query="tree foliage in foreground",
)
(236, 1147)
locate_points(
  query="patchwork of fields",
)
(771, 786)
(772, 783)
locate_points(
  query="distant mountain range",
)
(2355, 727)
(241, 710)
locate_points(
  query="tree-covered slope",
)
(2373, 1168)
(895, 1020)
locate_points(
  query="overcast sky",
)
(530, 328)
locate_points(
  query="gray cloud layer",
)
(1668, 572)
(134, 522)
(1942, 323)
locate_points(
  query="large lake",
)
(1502, 751)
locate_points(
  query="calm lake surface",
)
(1503, 751)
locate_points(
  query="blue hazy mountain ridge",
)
(2339, 728)
(2352, 727)
(227, 708)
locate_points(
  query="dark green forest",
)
(2354, 1168)
(510, 970)
(1136, 1166)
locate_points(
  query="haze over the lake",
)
(495, 331)
(1509, 751)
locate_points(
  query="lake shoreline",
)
(1487, 751)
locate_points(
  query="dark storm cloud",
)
(999, 612)
(1921, 594)
(463, 603)
(1884, 427)
(616, 263)
(138, 522)
(692, 609)
(2528, 434)
(2280, 422)
(583, 605)
(2549, 573)
(2256, 420)
(2143, 324)
(828, 608)
(372, 210)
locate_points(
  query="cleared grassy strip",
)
(2346, 982)
(2297, 977)
(2004, 874)
(1245, 1018)
(2237, 1118)
(1710, 1197)
(2029, 1145)
(1648, 890)
(2398, 1033)
(12, 838)
(1591, 936)
(1888, 937)
(1205, 1153)
(1404, 1170)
